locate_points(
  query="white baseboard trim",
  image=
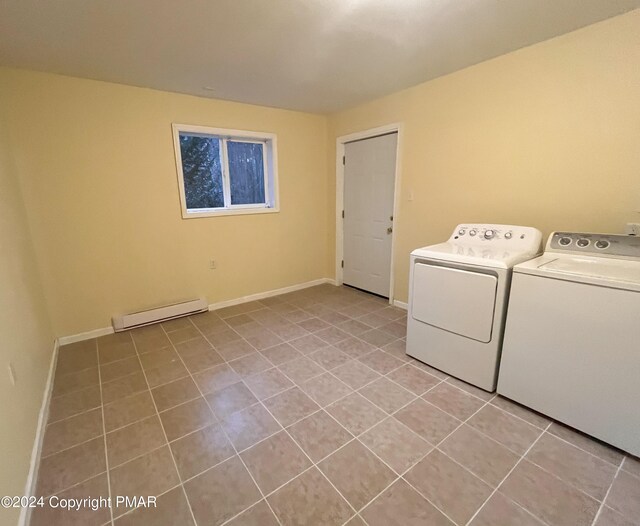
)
(96, 333)
(270, 293)
(36, 452)
(401, 304)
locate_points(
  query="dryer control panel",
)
(612, 245)
(514, 238)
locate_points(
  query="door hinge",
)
(342, 264)
(343, 214)
(344, 160)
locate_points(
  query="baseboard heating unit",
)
(159, 314)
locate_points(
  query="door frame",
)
(340, 152)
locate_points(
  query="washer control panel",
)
(595, 244)
(509, 237)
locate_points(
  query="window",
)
(225, 171)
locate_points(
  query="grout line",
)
(602, 505)
(104, 434)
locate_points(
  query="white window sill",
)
(228, 212)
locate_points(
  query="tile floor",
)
(301, 410)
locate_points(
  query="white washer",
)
(458, 297)
(572, 339)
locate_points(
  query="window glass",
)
(246, 172)
(202, 171)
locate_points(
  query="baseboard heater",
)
(159, 314)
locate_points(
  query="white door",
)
(369, 180)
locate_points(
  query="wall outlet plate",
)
(632, 229)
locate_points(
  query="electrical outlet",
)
(12, 374)
(632, 229)
(212, 264)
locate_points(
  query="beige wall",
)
(97, 166)
(27, 339)
(547, 136)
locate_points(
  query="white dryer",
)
(572, 339)
(458, 294)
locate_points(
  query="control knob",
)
(564, 241)
(582, 242)
(602, 244)
(488, 234)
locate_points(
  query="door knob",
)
(389, 230)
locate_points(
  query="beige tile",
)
(309, 499)
(631, 465)
(216, 378)
(128, 410)
(251, 364)
(377, 337)
(448, 486)
(380, 361)
(52, 514)
(547, 497)
(185, 418)
(268, 383)
(234, 349)
(485, 457)
(290, 406)
(166, 373)
(471, 389)
(397, 349)
(238, 319)
(373, 320)
(231, 399)
(395, 328)
(134, 440)
(518, 410)
(153, 359)
(401, 505)
(76, 357)
(595, 447)
(319, 435)
(387, 395)
(200, 360)
(413, 379)
(176, 324)
(258, 515)
(354, 348)
(308, 344)
(151, 343)
(332, 335)
(396, 444)
(355, 413)
(514, 433)
(149, 475)
(453, 400)
(222, 492)
(332, 317)
(357, 473)
(325, 389)
(356, 521)
(72, 431)
(353, 327)
(355, 374)
(123, 387)
(198, 451)
(174, 393)
(329, 357)
(427, 420)
(115, 370)
(223, 337)
(62, 470)
(609, 517)
(183, 335)
(582, 470)
(264, 340)
(69, 383)
(314, 324)
(73, 403)
(171, 509)
(275, 461)
(624, 496)
(116, 352)
(501, 510)
(437, 373)
(249, 426)
(281, 353)
(301, 370)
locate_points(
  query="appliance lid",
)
(481, 255)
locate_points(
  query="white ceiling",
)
(311, 55)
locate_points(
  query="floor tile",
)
(166, 373)
(319, 435)
(355, 374)
(439, 374)
(580, 469)
(249, 426)
(115, 370)
(500, 510)
(69, 383)
(624, 496)
(149, 475)
(427, 420)
(397, 349)
(186, 418)
(387, 395)
(308, 344)
(309, 499)
(287, 331)
(62, 470)
(448, 486)
(222, 492)
(197, 361)
(250, 364)
(357, 473)
(396, 444)
(453, 400)
(325, 389)
(488, 459)
(198, 451)
(160, 357)
(275, 461)
(329, 357)
(631, 465)
(123, 387)
(353, 327)
(471, 389)
(230, 399)
(377, 337)
(222, 337)
(395, 328)
(591, 445)
(76, 357)
(128, 410)
(134, 440)
(401, 505)
(313, 324)
(290, 406)
(518, 410)
(356, 413)
(510, 431)
(301, 370)
(174, 393)
(547, 497)
(332, 335)
(380, 361)
(176, 324)
(413, 379)
(609, 517)
(354, 348)
(281, 353)
(216, 378)
(72, 431)
(171, 509)
(115, 352)
(264, 340)
(258, 515)
(183, 335)
(268, 383)
(73, 403)
(234, 349)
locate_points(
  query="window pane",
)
(202, 171)
(246, 172)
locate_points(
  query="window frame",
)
(270, 169)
